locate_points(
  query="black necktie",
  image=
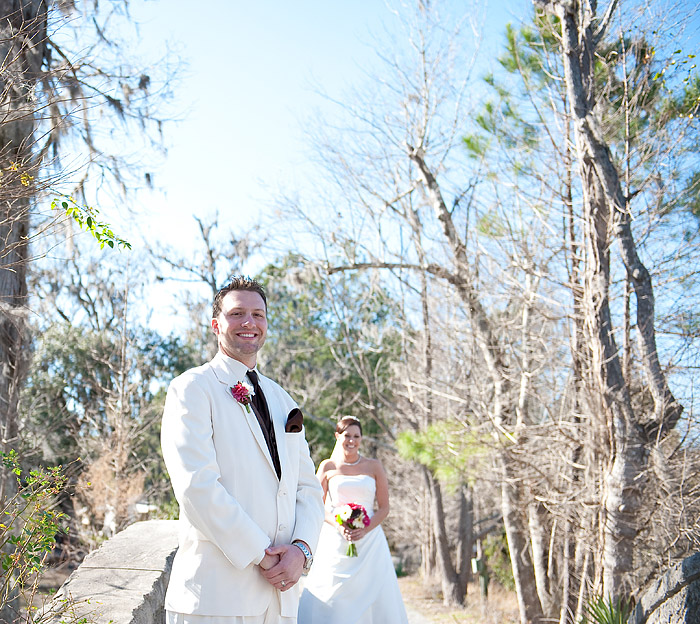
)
(262, 412)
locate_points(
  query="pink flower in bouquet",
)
(352, 516)
(243, 392)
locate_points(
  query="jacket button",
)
(281, 527)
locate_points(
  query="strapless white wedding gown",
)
(351, 590)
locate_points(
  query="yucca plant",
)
(600, 610)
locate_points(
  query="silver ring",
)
(283, 583)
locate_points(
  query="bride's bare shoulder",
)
(375, 466)
(326, 466)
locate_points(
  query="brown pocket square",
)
(295, 420)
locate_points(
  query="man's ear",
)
(215, 326)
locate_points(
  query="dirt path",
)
(425, 607)
(415, 617)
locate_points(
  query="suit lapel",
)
(222, 369)
(255, 429)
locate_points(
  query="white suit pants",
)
(271, 616)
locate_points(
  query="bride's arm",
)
(382, 495)
(324, 470)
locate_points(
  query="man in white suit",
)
(250, 504)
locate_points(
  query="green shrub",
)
(601, 610)
(29, 523)
(498, 560)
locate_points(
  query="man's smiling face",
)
(241, 326)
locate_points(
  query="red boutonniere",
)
(243, 392)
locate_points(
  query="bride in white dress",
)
(352, 590)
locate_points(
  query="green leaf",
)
(476, 145)
(85, 217)
(601, 610)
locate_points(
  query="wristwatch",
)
(307, 554)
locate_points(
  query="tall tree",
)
(50, 88)
(502, 233)
(23, 46)
(530, 126)
(381, 165)
(607, 213)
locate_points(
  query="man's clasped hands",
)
(282, 566)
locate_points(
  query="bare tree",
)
(48, 99)
(571, 442)
(607, 214)
(22, 49)
(401, 197)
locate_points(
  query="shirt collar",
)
(232, 370)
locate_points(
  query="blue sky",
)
(250, 67)
(251, 70)
(248, 80)
(246, 87)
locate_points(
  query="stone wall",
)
(674, 598)
(124, 580)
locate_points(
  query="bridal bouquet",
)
(352, 516)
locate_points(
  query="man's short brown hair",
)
(238, 282)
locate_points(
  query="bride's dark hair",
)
(347, 421)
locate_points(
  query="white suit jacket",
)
(232, 505)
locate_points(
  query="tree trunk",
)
(536, 515)
(452, 592)
(428, 557)
(606, 213)
(22, 47)
(465, 542)
(521, 562)
(566, 604)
